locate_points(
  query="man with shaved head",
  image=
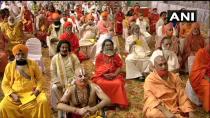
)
(163, 93)
(81, 99)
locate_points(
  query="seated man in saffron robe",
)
(108, 74)
(192, 44)
(83, 97)
(73, 39)
(200, 76)
(22, 85)
(184, 32)
(164, 95)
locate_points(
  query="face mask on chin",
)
(57, 29)
(21, 62)
(162, 73)
(165, 49)
(195, 33)
(109, 52)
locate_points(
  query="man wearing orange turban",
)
(105, 14)
(20, 48)
(27, 99)
(104, 24)
(73, 39)
(88, 34)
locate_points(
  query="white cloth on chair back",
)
(34, 46)
(35, 51)
(191, 94)
(190, 63)
(188, 89)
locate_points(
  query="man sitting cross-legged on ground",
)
(163, 94)
(82, 99)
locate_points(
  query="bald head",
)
(160, 63)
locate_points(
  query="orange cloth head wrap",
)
(55, 16)
(20, 48)
(104, 14)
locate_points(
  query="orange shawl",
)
(200, 69)
(168, 93)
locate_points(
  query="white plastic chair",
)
(35, 51)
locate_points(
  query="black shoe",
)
(45, 46)
(141, 78)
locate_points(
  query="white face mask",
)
(164, 48)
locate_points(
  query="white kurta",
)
(68, 65)
(159, 23)
(137, 61)
(172, 59)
